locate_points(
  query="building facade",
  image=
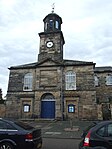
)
(56, 88)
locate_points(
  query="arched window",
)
(70, 80)
(47, 97)
(50, 24)
(28, 78)
(96, 81)
(57, 25)
(46, 26)
(109, 80)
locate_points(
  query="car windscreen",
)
(24, 125)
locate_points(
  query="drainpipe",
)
(62, 97)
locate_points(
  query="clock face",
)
(49, 44)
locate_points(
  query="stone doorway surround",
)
(75, 102)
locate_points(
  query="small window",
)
(57, 25)
(50, 24)
(26, 108)
(46, 25)
(71, 108)
(109, 80)
(96, 81)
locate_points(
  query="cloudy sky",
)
(87, 29)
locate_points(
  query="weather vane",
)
(53, 6)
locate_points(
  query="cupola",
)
(52, 22)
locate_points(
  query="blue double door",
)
(48, 109)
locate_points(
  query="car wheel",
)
(6, 145)
(39, 146)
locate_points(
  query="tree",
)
(1, 94)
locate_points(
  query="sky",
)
(87, 30)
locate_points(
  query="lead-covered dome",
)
(52, 23)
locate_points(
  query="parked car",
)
(97, 136)
(19, 135)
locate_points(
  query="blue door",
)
(48, 109)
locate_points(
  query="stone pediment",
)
(51, 62)
(48, 62)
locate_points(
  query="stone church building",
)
(56, 88)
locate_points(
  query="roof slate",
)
(64, 63)
(103, 69)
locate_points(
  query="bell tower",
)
(51, 40)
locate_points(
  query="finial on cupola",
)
(53, 6)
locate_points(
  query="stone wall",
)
(16, 79)
(2, 110)
(90, 112)
(99, 111)
(103, 91)
(47, 79)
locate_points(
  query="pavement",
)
(70, 129)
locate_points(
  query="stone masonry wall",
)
(103, 91)
(48, 80)
(2, 110)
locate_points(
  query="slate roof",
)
(53, 15)
(63, 63)
(76, 62)
(30, 65)
(103, 69)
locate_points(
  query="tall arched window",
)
(70, 79)
(28, 78)
(51, 24)
(57, 25)
(109, 80)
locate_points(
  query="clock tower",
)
(51, 40)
